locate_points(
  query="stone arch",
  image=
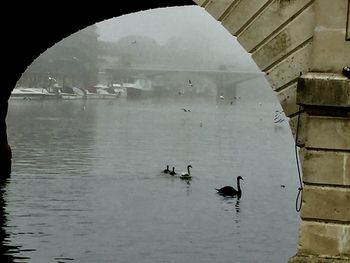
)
(279, 36)
(290, 41)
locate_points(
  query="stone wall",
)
(302, 46)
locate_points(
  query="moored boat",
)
(22, 93)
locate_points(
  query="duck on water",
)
(230, 191)
(166, 170)
(173, 171)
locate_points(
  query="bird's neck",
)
(188, 170)
(238, 185)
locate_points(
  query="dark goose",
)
(230, 191)
(166, 170)
(173, 171)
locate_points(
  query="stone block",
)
(274, 17)
(325, 167)
(324, 89)
(324, 240)
(218, 8)
(287, 98)
(348, 24)
(331, 133)
(315, 259)
(298, 33)
(331, 15)
(290, 68)
(241, 14)
(326, 203)
(331, 51)
(293, 121)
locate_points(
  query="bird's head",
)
(189, 166)
(240, 178)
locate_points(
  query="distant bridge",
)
(224, 79)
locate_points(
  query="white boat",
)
(107, 93)
(132, 91)
(118, 88)
(22, 93)
(70, 93)
(139, 88)
(101, 92)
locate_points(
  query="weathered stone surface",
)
(326, 203)
(324, 89)
(325, 167)
(324, 240)
(314, 259)
(348, 24)
(328, 133)
(218, 8)
(241, 14)
(290, 68)
(331, 51)
(287, 41)
(293, 121)
(287, 98)
(272, 18)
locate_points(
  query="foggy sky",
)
(191, 21)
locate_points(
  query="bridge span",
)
(225, 81)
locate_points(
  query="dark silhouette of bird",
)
(230, 191)
(283, 186)
(186, 110)
(186, 176)
(173, 171)
(166, 170)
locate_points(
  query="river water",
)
(87, 186)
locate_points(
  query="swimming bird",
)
(190, 83)
(166, 170)
(173, 171)
(187, 175)
(230, 191)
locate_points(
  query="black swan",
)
(230, 191)
(166, 170)
(187, 175)
(173, 171)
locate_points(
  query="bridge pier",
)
(324, 233)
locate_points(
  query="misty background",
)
(185, 38)
(177, 36)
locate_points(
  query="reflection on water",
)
(86, 182)
(8, 252)
(237, 206)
